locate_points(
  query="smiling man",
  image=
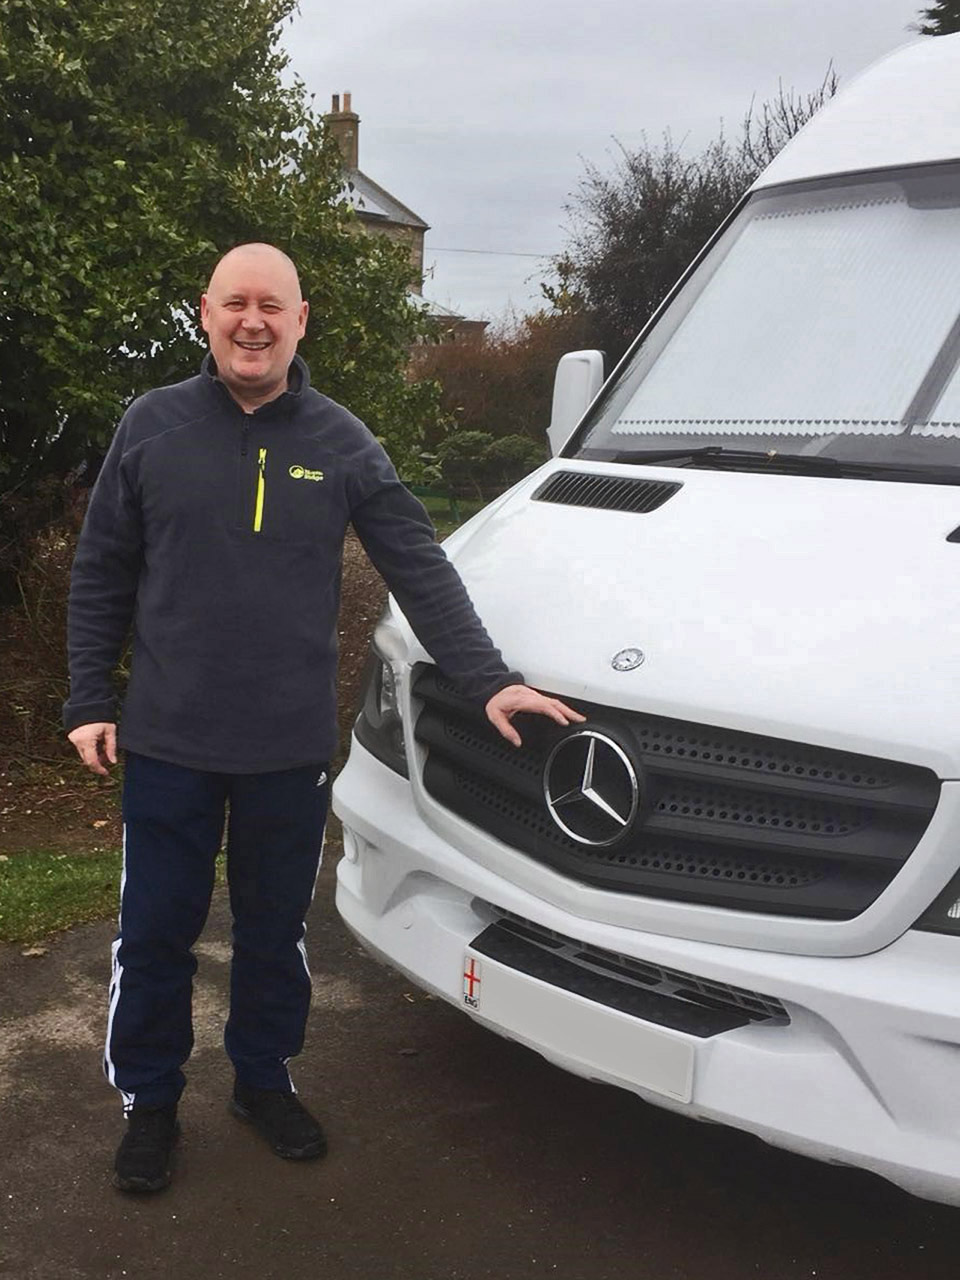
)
(254, 315)
(216, 529)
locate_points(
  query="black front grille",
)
(669, 997)
(726, 818)
(608, 493)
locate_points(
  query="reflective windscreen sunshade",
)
(819, 312)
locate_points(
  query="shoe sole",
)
(139, 1185)
(312, 1151)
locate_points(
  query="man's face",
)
(254, 317)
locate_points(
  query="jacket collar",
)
(298, 382)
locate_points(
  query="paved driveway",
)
(454, 1155)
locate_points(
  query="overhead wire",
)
(496, 253)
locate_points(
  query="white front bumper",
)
(867, 1072)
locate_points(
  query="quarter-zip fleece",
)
(219, 535)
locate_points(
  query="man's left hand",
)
(503, 706)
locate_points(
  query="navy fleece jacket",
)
(219, 534)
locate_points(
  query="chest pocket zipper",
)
(261, 490)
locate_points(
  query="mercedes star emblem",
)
(627, 660)
(591, 788)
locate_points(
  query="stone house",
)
(381, 213)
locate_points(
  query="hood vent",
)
(609, 493)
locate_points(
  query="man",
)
(216, 527)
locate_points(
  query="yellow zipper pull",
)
(261, 487)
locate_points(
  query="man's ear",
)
(304, 312)
(205, 312)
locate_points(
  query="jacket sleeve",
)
(103, 590)
(399, 539)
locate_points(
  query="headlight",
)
(378, 726)
(944, 915)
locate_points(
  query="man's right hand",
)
(96, 745)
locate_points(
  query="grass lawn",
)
(45, 891)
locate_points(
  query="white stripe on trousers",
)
(116, 977)
(301, 945)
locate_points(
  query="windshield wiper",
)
(809, 464)
(717, 453)
(666, 455)
(718, 456)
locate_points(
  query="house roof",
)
(436, 310)
(445, 315)
(373, 202)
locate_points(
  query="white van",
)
(735, 890)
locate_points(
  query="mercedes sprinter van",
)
(735, 888)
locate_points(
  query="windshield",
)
(824, 321)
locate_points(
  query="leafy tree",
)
(635, 230)
(138, 142)
(940, 19)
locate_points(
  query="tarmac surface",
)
(454, 1154)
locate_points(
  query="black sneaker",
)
(143, 1157)
(282, 1119)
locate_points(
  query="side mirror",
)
(579, 378)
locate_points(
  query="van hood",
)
(818, 610)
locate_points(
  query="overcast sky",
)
(479, 116)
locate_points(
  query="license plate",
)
(600, 1039)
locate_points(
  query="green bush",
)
(462, 462)
(477, 463)
(512, 457)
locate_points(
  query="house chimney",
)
(345, 127)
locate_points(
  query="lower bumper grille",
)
(723, 818)
(667, 997)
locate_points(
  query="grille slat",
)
(726, 818)
(886, 850)
(605, 493)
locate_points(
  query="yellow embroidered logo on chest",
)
(301, 473)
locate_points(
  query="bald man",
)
(216, 529)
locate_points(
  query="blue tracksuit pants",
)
(173, 822)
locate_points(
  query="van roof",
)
(904, 109)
